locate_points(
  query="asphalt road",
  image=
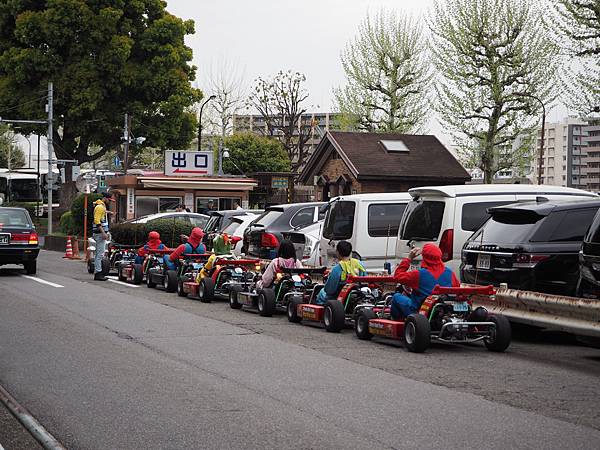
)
(103, 365)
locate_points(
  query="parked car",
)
(369, 222)
(18, 239)
(220, 219)
(307, 241)
(589, 262)
(448, 215)
(237, 226)
(532, 246)
(262, 237)
(197, 220)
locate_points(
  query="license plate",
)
(461, 307)
(197, 266)
(4, 239)
(484, 261)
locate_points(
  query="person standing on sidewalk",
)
(100, 232)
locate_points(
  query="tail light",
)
(447, 245)
(527, 261)
(33, 239)
(269, 240)
(24, 238)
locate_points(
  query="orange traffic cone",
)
(69, 250)
(75, 247)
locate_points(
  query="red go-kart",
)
(447, 315)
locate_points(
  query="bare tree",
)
(279, 100)
(496, 59)
(226, 83)
(388, 75)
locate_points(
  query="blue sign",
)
(117, 161)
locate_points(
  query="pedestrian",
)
(100, 232)
(236, 206)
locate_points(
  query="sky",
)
(261, 37)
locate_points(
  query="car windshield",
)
(423, 220)
(14, 218)
(24, 190)
(268, 217)
(339, 221)
(232, 227)
(507, 228)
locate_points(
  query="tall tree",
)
(494, 57)
(106, 59)
(280, 101)
(11, 156)
(388, 75)
(250, 153)
(226, 83)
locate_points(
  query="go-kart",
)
(339, 312)
(127, 269)
(189, 266)
(290, 286)
(227, 275)
(447, 315)
(157, 272)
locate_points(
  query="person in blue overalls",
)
(339, 273)
(422, 281)
(193, 246)
(154, 243)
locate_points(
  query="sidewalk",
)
(12, 434)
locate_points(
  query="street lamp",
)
(541, 162)
(212, 97)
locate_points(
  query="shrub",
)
(128, 233)
(77, 212)
(67, 225)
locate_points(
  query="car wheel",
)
(180, 291)
(292, 309)
(233, 297)
(361, 324)
(138, 274)
(120, 274)
(206, 290)
(334, 316)
(31, 267)
(500, 335)
(417, 333)
(266, 302)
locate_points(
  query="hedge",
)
(67, 224)
(77, 212)
(128, 233)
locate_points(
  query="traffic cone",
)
(75, 248)
(69, 250)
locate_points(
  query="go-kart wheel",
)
(180, 291)
(417, 333)
(120, 274)
(334, 316)
(292, 309)
(361, 324)
(149, 281)
(170, 281)
(138, 274)
(90, 265)
(30, 267)
(206, 290)
(266, 302)
(500, 336)
(105, 266)
(233, 297)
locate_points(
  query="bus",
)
(18, 187)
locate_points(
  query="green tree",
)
(252, 153)
(494, 56)
(106, 59)
(8, 148)
(388, 76)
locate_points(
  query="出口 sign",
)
(188, 164)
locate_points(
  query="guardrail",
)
(575, 315)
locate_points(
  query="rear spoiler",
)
(466, 290)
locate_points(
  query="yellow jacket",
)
(100, 215)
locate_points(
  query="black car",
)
(589, 262)
(218, 221)
(263, 235)
(18, 239)
(531, 246)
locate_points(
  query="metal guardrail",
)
(575, 315)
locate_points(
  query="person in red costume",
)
(193, 246)
(422, 281)
(154, 243)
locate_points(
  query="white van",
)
(448, 215)
(369, 222)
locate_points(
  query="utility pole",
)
(126, 139)
(50, 107)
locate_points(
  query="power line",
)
(23, 104)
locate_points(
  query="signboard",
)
(279, 182)
(130, 203)
(189, 200)
(188, 164)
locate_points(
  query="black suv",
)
(531, 246)
(589, 262)
(18, 239)
(263, 235)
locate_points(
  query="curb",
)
(35, 428)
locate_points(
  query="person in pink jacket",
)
(286, 258)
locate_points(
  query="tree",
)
(495, 57)
(9, 150)
(105, 59)
(251, 153)
(226, 84)
(388, 76)
(279, 101)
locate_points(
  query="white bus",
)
(18, 187)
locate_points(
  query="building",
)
(591, 170)
(565, 154)
(353, 163)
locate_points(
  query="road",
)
(103, 365)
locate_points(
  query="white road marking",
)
(116, 281)
(39, 280)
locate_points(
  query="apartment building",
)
(591, 138)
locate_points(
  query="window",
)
(268, 217)
(565, 226)
(303, 217)
(507, 227)
(475, 214)
(384, 220)
(167, 204)
(227, 203)
(145, 206)
(395, 146)
(423, 220)
(339, 222)
(234, 224)
(14, 217)
(198, 221)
